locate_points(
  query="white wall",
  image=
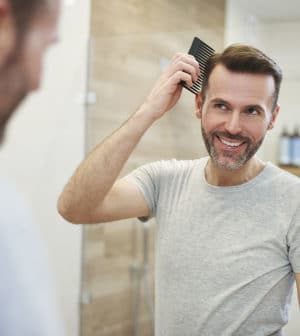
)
(44, 144)
(278, 39)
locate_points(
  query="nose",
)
(233, 123)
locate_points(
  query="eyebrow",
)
(257, 107)
(222, 101)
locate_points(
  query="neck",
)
(224, 177)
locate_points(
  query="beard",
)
(228, 159)
(13, 90)
(7, 113)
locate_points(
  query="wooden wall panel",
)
(130, 41)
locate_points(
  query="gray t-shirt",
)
(225, 256)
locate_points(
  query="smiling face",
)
(235, 115)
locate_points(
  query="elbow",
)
(67, 212)
(74, 214)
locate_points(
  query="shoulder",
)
(283, 176)
(177, 172)
(284, 183)
(167, 171)
(174, 166)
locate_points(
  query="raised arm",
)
(93, 194)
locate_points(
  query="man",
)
(27, 28)
(228, 226)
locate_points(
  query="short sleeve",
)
(293, 240)
(147, 179)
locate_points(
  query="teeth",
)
(231, 144)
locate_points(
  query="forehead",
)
(241, 87)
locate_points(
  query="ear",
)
(7, 31)
(273, 117)
(198, 105)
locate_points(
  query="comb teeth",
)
(201, 51)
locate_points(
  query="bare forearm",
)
(97, 173)
(91, 195)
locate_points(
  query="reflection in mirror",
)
(131, 43)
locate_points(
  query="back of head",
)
(244, 59)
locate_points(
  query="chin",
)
(34, 81)
(35, 86)
(227, 163)
(230, 166)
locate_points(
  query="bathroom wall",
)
(131, 42)
(277, 35)
(44, 143)
(247, 23)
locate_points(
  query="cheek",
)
(33, 67)
(211, 121)
(35, 48)
(258, 131)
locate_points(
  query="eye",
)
(252, 111)
(220, 106)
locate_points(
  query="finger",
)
(177, 56)
(186, 58)
(188, 68)
(190, 59)
(180, 76)
(194, 63)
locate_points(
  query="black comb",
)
(201, 51)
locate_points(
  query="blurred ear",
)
(7, 31)
(273, 117)
(198, 105)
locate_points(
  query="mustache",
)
(232, 136)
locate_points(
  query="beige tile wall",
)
(130, 38)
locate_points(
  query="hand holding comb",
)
(201, 51)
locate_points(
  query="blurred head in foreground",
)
(27, 29)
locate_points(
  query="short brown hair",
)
(246, 59)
